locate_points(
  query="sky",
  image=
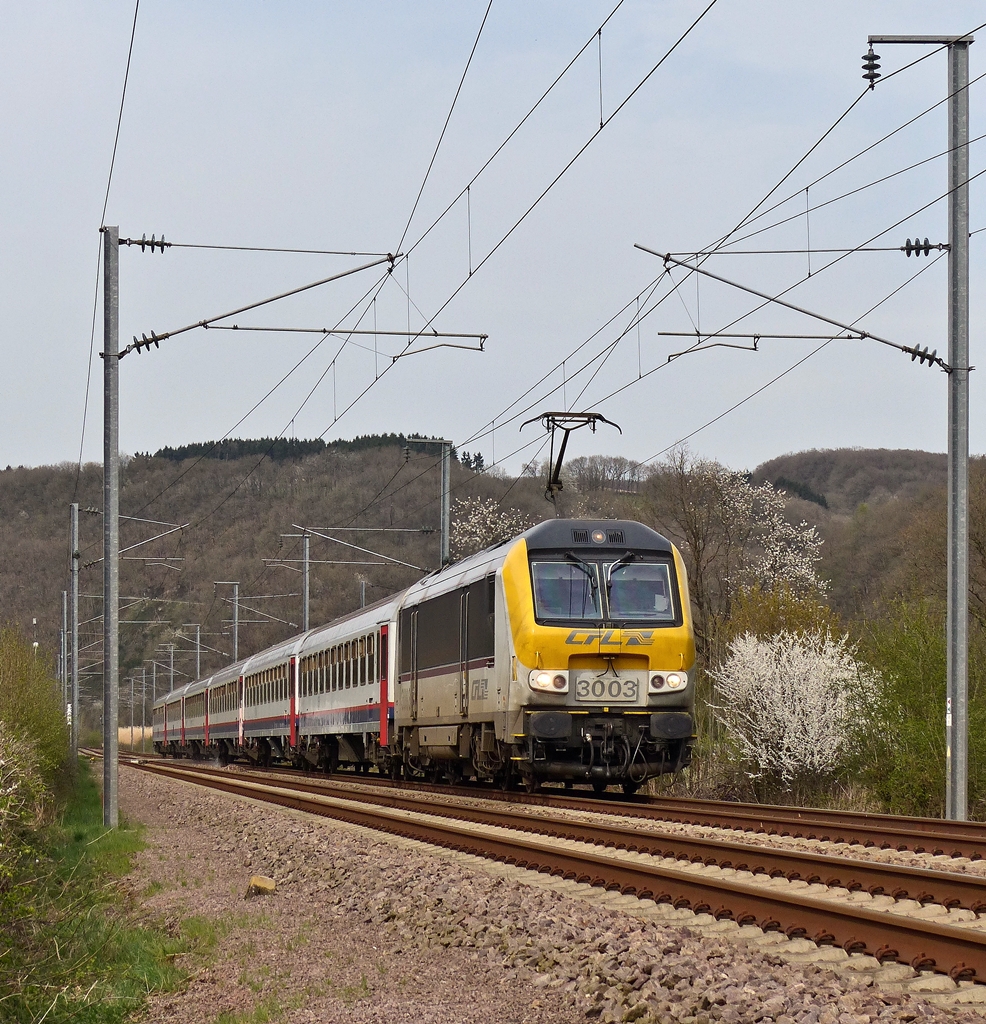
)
(312, 126)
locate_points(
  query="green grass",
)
(76, 950)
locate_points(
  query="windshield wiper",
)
(619, 563)
(584, 566)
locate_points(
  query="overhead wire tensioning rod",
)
(779, 376)
(136, 345)
(913, 352)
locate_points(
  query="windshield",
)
(640, 590)
(566, 590)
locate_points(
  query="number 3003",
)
(606, 689)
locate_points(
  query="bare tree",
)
(732, 534)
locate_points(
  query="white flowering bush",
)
(479, 522)
(777, 552)
(791, 705)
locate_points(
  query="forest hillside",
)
(243, 502)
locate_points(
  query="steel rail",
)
(924, 885)
(946, 948)
(887, 831)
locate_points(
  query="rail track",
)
(933, 836)
(705, 876)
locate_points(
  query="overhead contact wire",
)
(448, 118)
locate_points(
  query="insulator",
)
(908, 248)
(927, 247)
(870, 65)
(143, 242)
(162, 243)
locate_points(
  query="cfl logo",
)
(611, 638)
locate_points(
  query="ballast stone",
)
(261, 885)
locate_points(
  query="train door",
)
(464, 653)
(239, 705)
(293, 699)
(382, 655)
(414, 664)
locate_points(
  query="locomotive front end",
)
(603, 654)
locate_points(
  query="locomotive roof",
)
(575, 534)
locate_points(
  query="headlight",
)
(667, 681)
(549, 682)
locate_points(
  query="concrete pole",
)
(153, 682)
(171, 667)
(63, 650)
(74, 513)
(143, 711)
(111, 522)
(446, 473)
(957, 698)
(63, 653)
(131, 714)
(957, 612)
(236, 622)
(305, 607)
(198, 650)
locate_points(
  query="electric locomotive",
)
(564, 654)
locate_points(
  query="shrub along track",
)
(704, 875)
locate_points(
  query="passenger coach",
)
(563, 654)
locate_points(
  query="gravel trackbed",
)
(366, 927)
